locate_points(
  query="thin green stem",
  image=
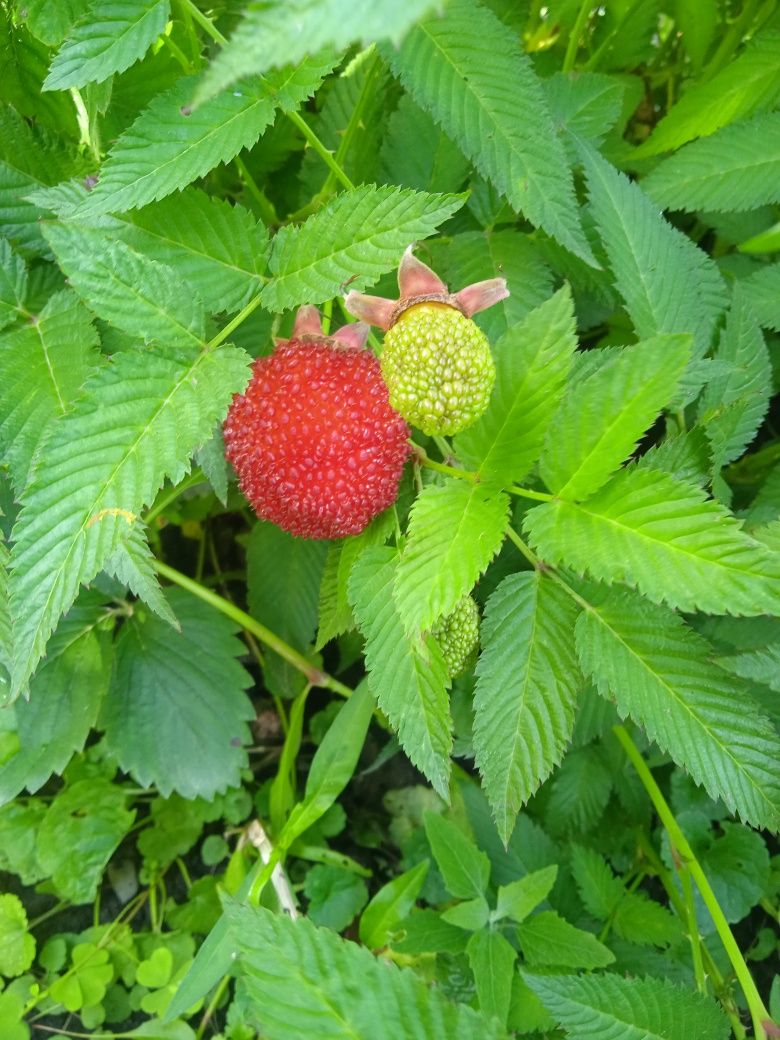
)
(354, 123)
(260, 632)
(573, 44)
(524, 550)
(451, 471)
(232, 325)
(758, 1011)
(731, 39)
(213, 1004)
(537, 496)
(62, 905)
(324, 153)
(204, 22)
(268, 213)
(693, 928)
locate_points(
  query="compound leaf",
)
(113, 35)
(527, 684)
(352, 240)
(659, 672)
(454, 532)
(469, 71)
(533, 359)
(137, 424)
(407, 674)
(650, 531)
(162, 677)
(601, 420)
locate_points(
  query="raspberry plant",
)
(242, 717)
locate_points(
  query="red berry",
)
(317, 448)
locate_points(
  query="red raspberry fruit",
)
(317, 448)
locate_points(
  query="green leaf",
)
(471, 915)
(415, 153)
(335, 612)
(297, 974)
(533, 359)
(476, 255)
(579, 792)
(748, 84)
(517, 899)
(55, 722)
(162, 677)
(102, 466)
(276, 32)
(668, 284)
(527, 684)
(19, 826)
(469, 71)
(336, 896)
(738, 867)
(598, 888)
(392, 903)
(596, 1006)
(43, 366)
(659, 672)
(425, 931)
(588, 104)
(132, 564)
(333, 765)
(13, 284)
(283, 578)
(547, 940)
(665, 538)
(140, 296)
(685, 456)
(464, 867)
(761, 292)
(169, 146)
(353, 239)
(734, 405)
(697, 21)
(79, 833)
(218, 249)
(407, 675)
(455, 530)
(50, 20)
(17, 946)
(761, 665)
(736, 169)
(601, 419)
(114, 35)
(492, 960)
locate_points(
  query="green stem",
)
(758, 1011)
(260, 632)
(353, 125)
(524, 549)
(162, 503)
(208, 1014)
(537, 496)
(47, 914)
(324, 153)
(204, 22)
(693, 928)
(731, 39)
(573, 44)
(232, 325)
(268, 213)
(451, 471)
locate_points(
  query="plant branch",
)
(758, 1011)
(260, 632)
(204, 22)
(573, 44)
(324, 153)
(232, 325)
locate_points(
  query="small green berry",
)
(458, 636)
(438, 368)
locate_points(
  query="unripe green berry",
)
(438, 368)
(458, 636)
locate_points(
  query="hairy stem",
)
(758, 1011)
(324, 153)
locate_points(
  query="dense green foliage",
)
(240, 794)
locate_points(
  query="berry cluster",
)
(318, 438)
(458, 636)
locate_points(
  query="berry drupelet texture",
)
(458, 636)
(316, 445)
(436, 361)
(438, 368)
